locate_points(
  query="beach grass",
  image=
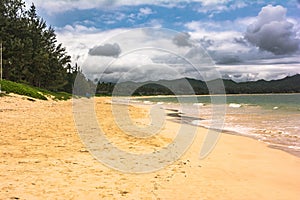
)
(32, 92)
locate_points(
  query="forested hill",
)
(289, 84)
(31, 54)
(165, 87)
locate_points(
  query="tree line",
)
(31, 53)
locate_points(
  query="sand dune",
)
(42, 156)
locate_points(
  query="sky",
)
(140, 40)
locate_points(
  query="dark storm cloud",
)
(228, 60)
(109, 50)
(241, 41)
(182, 40)
(205, 42)
(272, 32)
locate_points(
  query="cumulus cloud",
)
(241, 73)
(182, 40)
(226, 43)
(149, 60)
(109, 50)
(226, 47)
(273, 32)
(135, 67)
(205, 42)
(232, 54)
(146, 11)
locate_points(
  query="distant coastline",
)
(290, 84)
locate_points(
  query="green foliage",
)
(21, 89)
(61, 96)
(56, 95)
(33, 92)
(31, 54)
(104, 89)
(2, 94)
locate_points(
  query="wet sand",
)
(42, 156)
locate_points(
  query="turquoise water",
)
(282, 101)
(271, 118)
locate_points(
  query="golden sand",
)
(42, 157)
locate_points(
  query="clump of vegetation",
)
(57, 95)
(2, 94)
(21, 89)
(33, 92)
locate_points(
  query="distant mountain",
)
(187, 86)
(287, 85)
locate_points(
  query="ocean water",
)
(270, 118)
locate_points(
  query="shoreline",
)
(42, 156)
(207, 95)
(176, 118)
(270, 141)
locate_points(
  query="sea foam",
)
(235, 105)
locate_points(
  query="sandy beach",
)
(42, 157)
